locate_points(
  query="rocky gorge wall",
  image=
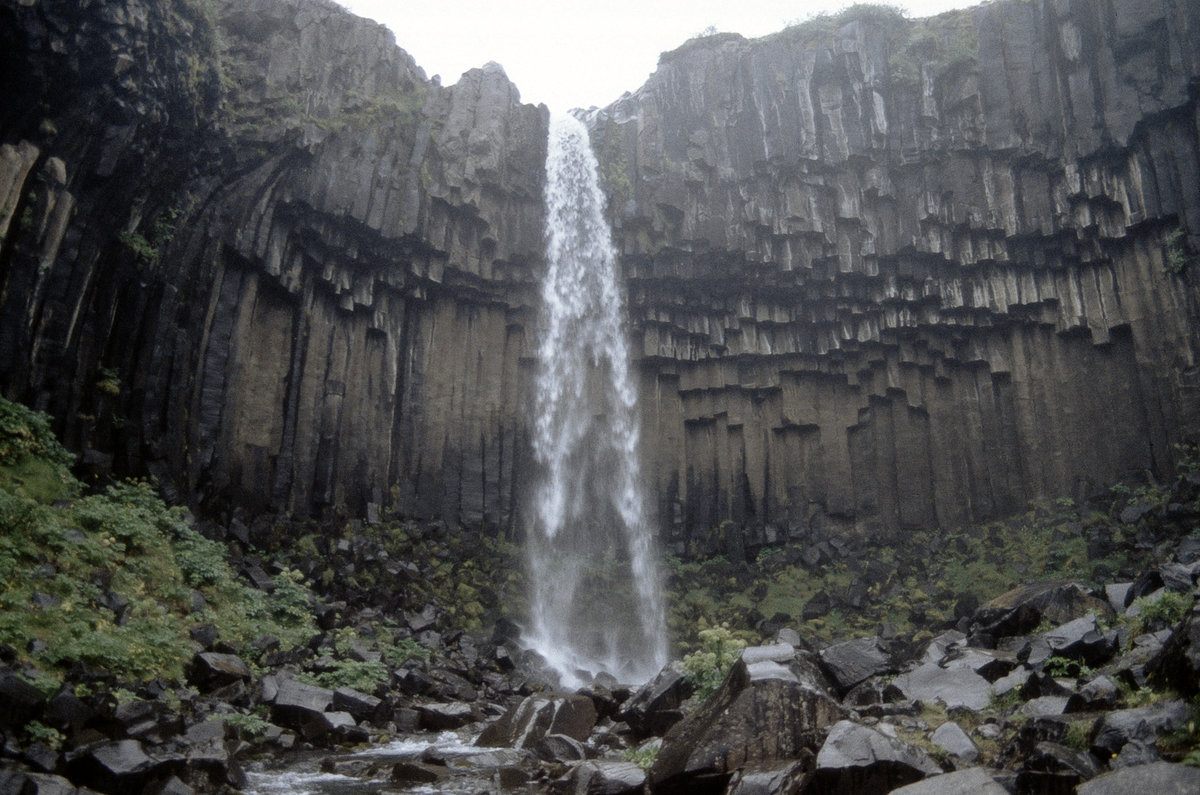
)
(909, 273)
(882, 273)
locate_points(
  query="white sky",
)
(569, 54)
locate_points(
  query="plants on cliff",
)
(1177, 258)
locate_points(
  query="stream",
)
(467, 769)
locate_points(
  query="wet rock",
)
(26, 783)
(972, 781)
(817, 607)
(1020, 610)
(1083, 640)
(296, 703)
(1135, 752)
(423, 620)
(1097, 695)
(1177, 664)
(117, 766)
(853, 661)
(1025, 741)
(20, 702)
(605, 777)
(1055, 768)
(957, 687)
(40, 757)
(211, 670)
(1114, 729)
(536, 716)
(859, 759)
(1117, 594)
(66, 712)
(761, 713)
(417, 773)
(1160, 778)
(1044, 706)
(559, 748)
(655, 706)
(784, 778)
(951, 737)
(444, 717)
(360, 705)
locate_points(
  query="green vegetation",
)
(248, 725)
(106, 579)
(364, 675)
(1165, 610)
(38, 732)
(644, 755)
(916, 586)
(708, 666)
(1065, 666)
(1177, 256)
(147, 249)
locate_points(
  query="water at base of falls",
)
(596, 602)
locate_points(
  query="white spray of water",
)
(596, 600)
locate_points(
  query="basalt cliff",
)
(882, 273)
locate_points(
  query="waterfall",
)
(596, 602)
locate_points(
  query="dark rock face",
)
(869, 284)
(761, 714)
(859, 759)
(863, 296)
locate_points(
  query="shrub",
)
(708, 666)
(1166, 610)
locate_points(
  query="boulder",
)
(443, 717)
(606, 777)
(1135, 752)
(857, 760)
(66, 712)
(853, 661)
(117, 766)
(1177, 663)
(14, 781)
(1100, 694)
(417, 773)
(972, 781)
(559, 748)
(1020, 610)
(20, 702)
(951, 738)
(1043, 706)
(1055, 768)
(955, 687)
(210, 670)
(1114, 729)
(761, 713)
(297, 703)
(655, 706)
(536, 716)
(360, 705)
(784, 778)
(1158, 778)
(1081, 639)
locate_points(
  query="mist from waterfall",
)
(596, 601)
